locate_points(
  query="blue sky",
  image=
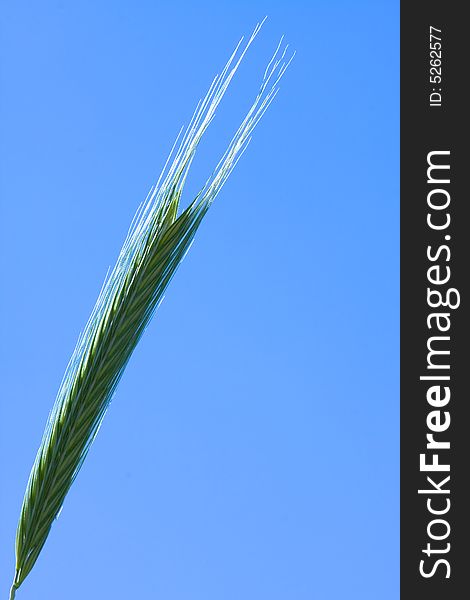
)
(251, 450)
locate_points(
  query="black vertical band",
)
(435, 333)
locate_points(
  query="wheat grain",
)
(156, 244)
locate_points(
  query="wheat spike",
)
(156, 244)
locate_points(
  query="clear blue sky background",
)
(251, 451)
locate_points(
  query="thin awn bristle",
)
(158, 239)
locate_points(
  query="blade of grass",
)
(156, 244)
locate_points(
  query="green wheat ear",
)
(155, 245)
